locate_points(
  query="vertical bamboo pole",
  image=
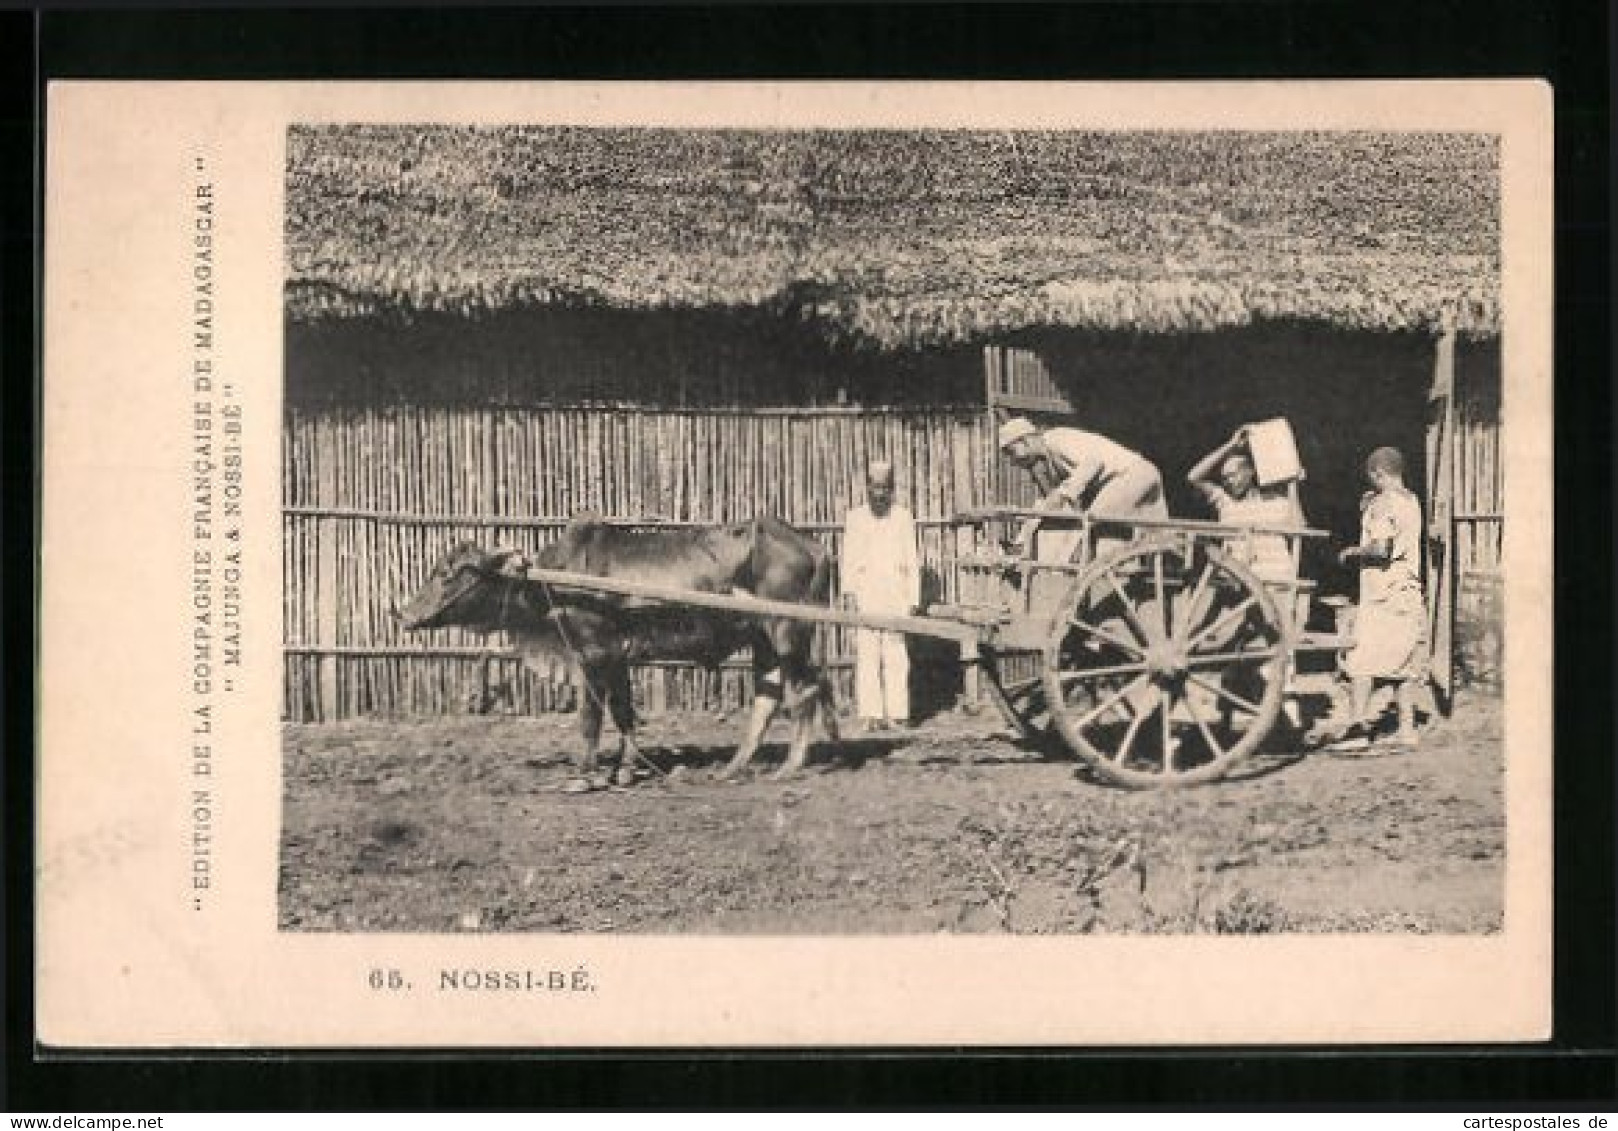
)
(326, 599)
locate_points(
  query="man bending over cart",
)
(1073, 468)
(1084, 471)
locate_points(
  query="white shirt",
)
(1395, 515)
(1087, 461)
(1268, 555)
(881, 568)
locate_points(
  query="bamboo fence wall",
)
(373, 497)
(1479, 533)
(1479, 487)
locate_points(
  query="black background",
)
(1568, 43)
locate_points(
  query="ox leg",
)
(621, 701)
(766, 699)
(809, 700)
(592, 695)
(804, 700)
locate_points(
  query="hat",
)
(1017, 428)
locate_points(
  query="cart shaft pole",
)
(936, 627)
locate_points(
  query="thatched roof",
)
(900, 238)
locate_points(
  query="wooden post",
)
(326, 614)
(971, 674)
(972, 686)
(1441, 515)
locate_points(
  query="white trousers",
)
(881, 676)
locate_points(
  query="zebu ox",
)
(602, 635)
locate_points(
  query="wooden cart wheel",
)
(1021, 700)
(1166, 664)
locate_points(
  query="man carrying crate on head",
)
(1243, 496)
(1238, 497)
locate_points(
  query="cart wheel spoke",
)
(1128, 742)
(1181, 631)
(1230, 617)
(1165, 706)
(1108, 638)
(1108, 703)
(1229, 696)
(1103, 673)
(1237, 657)
(1162, 593)
(1020, 701)
(1129, 608)
(1214, 748)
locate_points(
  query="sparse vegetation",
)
(431, 825)
(1248, 914)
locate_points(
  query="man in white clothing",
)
(1078, 470)
(1073, 468)
(1390, 629)
(881, 574)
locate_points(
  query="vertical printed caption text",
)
(215, 477)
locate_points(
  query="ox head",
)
(465, 589)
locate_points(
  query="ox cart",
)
(1145, 647)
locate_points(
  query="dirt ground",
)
(459, 824)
